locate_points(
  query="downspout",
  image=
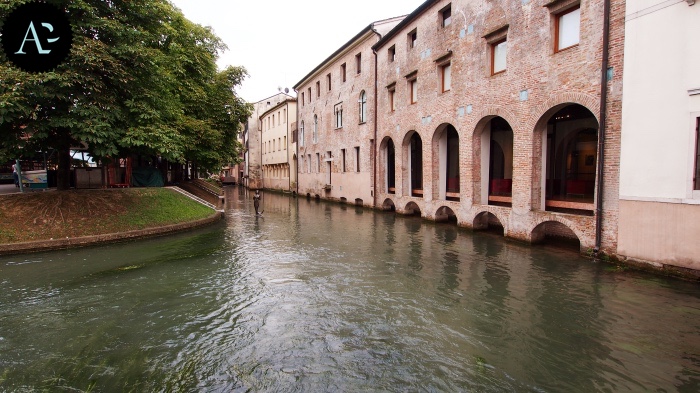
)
(289, 177)
(297, 146)
(376, 144)
(603, 120)
(262, 178)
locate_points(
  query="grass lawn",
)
(60, 214)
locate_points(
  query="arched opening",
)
(488, 222)
(415, 165)
(497, 163)
(359, 202)
(445, 214)
(362, 101)
(556, 234)
(412, 209)
(343, 200)
(390, 167)
(447, 171)
(569, 162)
(388, 205)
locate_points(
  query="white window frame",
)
(572, 19)
(363, 106)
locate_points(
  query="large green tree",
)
(141, 79)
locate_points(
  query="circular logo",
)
(36, 37)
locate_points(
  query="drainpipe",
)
(262, 178)
(297, 146)
(376, 145)
(603, 120)
(289, 140)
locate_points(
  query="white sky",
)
(280, 41)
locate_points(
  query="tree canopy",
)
(141, 79)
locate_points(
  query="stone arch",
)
(557, 231)
(539, 140)
(489, 221)
(445, 214)
(412, 209)
(388, 205)
(387, 169)
(445, 168)
(359, 202)
(481, 136)
(412, 164)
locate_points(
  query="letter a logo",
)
(32, 30)
(36, 37)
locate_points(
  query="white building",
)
(659, 220)
(278, 146)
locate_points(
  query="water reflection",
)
(327, 297)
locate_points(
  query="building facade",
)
(278, 146)
(659, 168)
(489, 114)
(252, 176)
(336, 119)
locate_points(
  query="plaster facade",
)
(659, 199)
(253, 144)
(278, 147)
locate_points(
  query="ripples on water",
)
(322, 297)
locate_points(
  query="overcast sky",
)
(280, 41)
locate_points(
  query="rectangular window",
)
(342, 167)
(357, 158)
(328, 81)
(498, 57)
(446, 15)
(285, 142)
(568, 29)
(358, 62)
(318, 88)
(302, 99)
(308, 163)
(414, 90)
(697, 155)
(318, 162)
(412, 39)
(279, 119)
(309, 91)
(392, 100)
(446, 76)
(392, 53)
(343, 70)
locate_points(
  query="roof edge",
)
(410, 18)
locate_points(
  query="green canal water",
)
(317, 297)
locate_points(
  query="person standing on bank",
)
(15, 175)
(256, 202)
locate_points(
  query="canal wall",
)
(58, 244)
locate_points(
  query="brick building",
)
(336, 120)
(494, 114)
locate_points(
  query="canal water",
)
(320, 297)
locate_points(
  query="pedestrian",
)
(15, 175)
(256, 202)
